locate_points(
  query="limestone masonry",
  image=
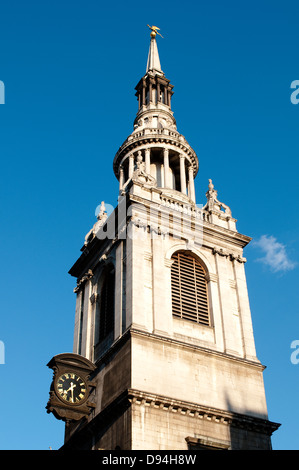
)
(162, 306)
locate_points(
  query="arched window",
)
(189, 289)
(106, 307)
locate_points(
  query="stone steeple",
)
(163, 317)
(167, 156)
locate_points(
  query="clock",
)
(71, 388)
(71, 391)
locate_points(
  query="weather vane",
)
(154, 31)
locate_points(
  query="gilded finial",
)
(154, 31)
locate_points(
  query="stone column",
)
(148, 161)
(166, 95)
(183, 174)
(150, 88)
(143, 93)
(166, 168)
(131, 165)
(121, 177)
(191, 184)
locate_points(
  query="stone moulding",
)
(156, 137)
(197, 411)
(226, 254)
(134, 332)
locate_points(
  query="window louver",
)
(189, 289)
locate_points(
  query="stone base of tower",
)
(129, 418)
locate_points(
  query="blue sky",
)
(69, 70)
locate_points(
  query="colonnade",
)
(186, 172)
(154, 90)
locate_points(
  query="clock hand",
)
(72, 390)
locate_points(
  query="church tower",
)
(163, 325)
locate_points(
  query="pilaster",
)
(229, 311)
(119, 275)
(244, 308)
(162, 316)
(85, 322)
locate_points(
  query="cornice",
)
(194, 347)
(147, 137)
(132, 332)
(133, 397)
(216, 232)
(224, 234)
(213, 235)
(197, 411)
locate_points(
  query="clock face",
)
(71, 388)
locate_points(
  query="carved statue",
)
(101, 219)
(140, 174)
(213, 203)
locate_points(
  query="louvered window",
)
(189, 289)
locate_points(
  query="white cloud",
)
(275, 254)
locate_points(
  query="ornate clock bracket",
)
(69, 397)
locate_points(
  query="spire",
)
(154, 90)
(153, 61)
(156, 155)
